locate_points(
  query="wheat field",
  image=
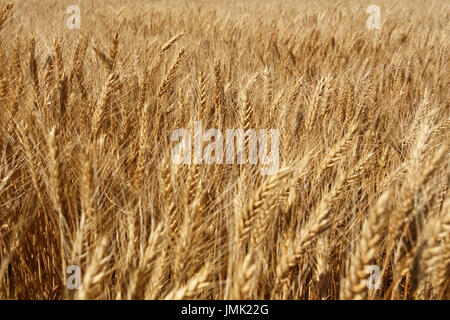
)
(91, 197)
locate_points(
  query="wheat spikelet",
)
(170, 43)
(370, 238)
(143, 147)
(4, 14)
(77, 66)
(143, 272)
(49, 80)
(88, 202)
(269, 86)
(437, 248)
(337, 151)
(171, 74)
(315, 102)
(317, 224)
(56, 192)
(102, 102)
(113, 51)
(168, 197)
(188, 235)
(193, 287)
(401, 216)
(159, 58)
(218, 95)
(34, 69)
(58, 61)
(263, 198)
(263, 204)
(242, 284)
(201, 105)
(95, 273)
(104, 58)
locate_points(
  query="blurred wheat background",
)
(86, 176)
